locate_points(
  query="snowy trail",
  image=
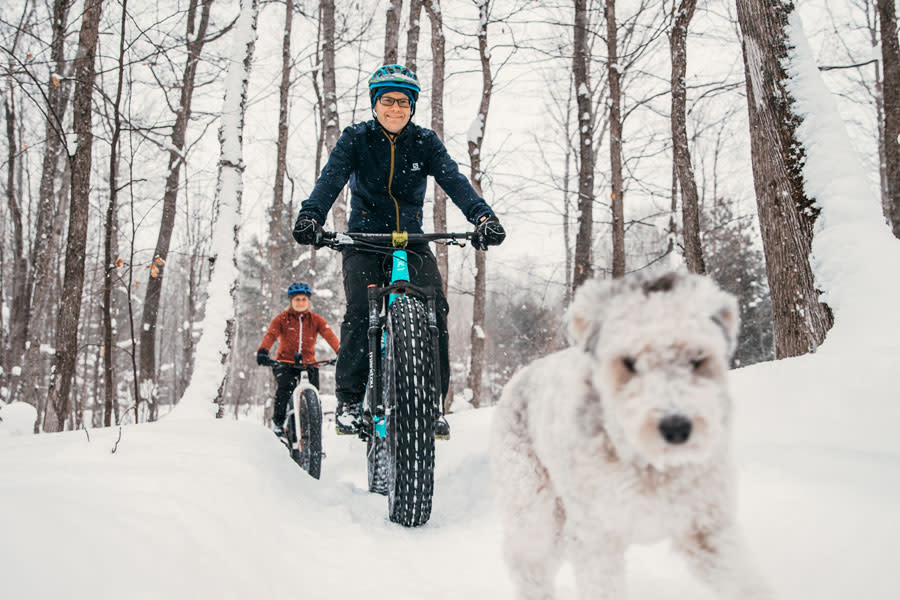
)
(189, 509)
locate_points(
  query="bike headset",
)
(298, 288)
(394, 76)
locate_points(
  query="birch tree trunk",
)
(205, 391)
(280, 243)
(615, 142)
(433, 8)
(58, 394)
(109, 259)
(890, 56)
(392, 32)
(476, 137)
(690, 203)
(584, 268)
(786, 215)
(196, 38)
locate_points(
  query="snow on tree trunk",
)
(850, 229)
(786, 213)
(203, 396)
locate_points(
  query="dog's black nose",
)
(676, 429)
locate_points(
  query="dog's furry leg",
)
(531, 513)
(719, 557)
(599, 568)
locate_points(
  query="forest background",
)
(116, 128)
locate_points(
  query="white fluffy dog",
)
(623, 438)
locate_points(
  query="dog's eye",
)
(696, 363)
(628, 362)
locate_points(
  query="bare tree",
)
(109, 259)
(329, 108)
(412, 34)
(44, 245)
(58, 400)
(890, 55)
(786, 214)
(476, 138)
(584, 268)
(392, 32)
(690, 202)
(614, 71)
(219, 329)
(433, 8)
(195, 39)
(279, 243)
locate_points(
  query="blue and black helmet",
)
(394, 76)
(298, 288)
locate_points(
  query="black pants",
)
(286, 379)
(362, 268)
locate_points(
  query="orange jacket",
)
(287, 328)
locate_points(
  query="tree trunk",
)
(330, 110)
(19, 299)
(58, 395)
(280, 243)
(412, 34)
(109, 259)
(786, 215)
(615, 142)
(392, 32)
(476, 361)
(41, 276)
(196, 38)
(207, 384)
(690, 203)
(890, 53)
(584, 267)
(433, 8)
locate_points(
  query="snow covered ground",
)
(216, 509)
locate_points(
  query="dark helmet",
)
(298, 288)
(396, 76)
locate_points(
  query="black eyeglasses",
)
(388, 101)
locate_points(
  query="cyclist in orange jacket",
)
(296, 330)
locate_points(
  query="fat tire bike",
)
(302, 425)
(403, 391)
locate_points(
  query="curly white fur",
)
(622, 439)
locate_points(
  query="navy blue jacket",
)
(388, 179)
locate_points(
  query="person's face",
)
(393, 118)
(300, 303)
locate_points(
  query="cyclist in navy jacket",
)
(387, 161)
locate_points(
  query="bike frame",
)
(400, 285)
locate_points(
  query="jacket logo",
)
(415, 167)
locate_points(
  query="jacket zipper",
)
(391, 179)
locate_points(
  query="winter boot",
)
(347, 417)
(441, 428)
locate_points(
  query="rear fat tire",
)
(377, 459)
(311, 432)
(410, 392)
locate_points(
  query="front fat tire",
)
(410, 358)
(311, 432)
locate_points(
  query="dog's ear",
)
(585, 314)
(727, 316)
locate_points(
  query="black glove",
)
(308, 231)
(262, 357)
(489, 232)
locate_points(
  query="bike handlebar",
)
(338, 240)
(300, 365)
